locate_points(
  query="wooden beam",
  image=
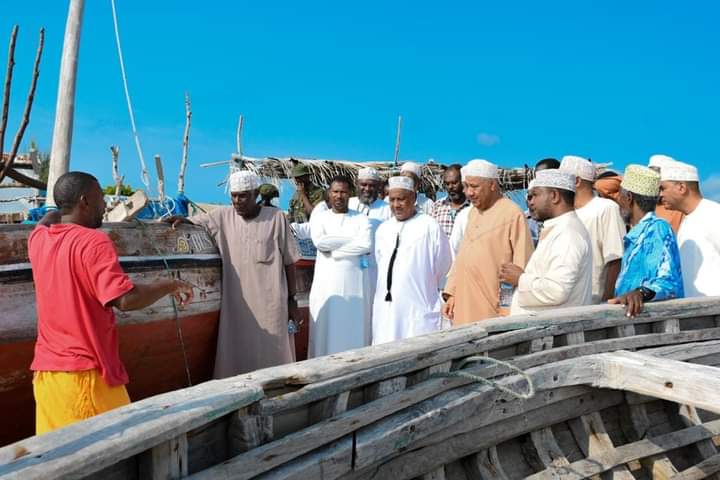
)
(65, 108)
(684, 383)
(705, 469)
(104, 440)
(167, 461)
(633, 451)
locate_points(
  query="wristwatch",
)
(647, 294)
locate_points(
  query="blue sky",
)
(508, 81)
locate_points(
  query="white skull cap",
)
(479, 168)
(368, 173)
(578, 166)
(405, 183)
(679, 172)
(554, 178)
(411, 167)
(243, 181)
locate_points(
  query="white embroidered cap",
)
(243, 181)
(553, 178)
(411, 167)
(368, 173)
(661, 161)
(679, 172)
(406, 183)
(578, 166)
(479, 168)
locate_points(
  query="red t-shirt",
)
(77, 273)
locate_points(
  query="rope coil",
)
(491, 383)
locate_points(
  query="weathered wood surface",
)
(594, 465)
(91, 445)
(688, 384)
(130, 239)
(382, 411)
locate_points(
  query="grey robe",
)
(253, 330)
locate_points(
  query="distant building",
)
(16, 199)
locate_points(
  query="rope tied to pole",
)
(486, 381)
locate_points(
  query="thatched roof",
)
(322, 171)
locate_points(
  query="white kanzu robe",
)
(606, 227)
(339, 300)
(422, 261)
(699, 243)
(377, 212)
(559, 273)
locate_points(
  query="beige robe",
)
(253, 329)
(493, 237)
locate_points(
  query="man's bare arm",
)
(144, 295)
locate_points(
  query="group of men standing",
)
(386, 269)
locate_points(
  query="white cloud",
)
(487, 139)
(711, 187)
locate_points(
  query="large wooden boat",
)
(613, 397)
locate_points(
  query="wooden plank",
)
(626, 453)
(384, 388)
(546, 450)
(93, 444)
(485, 465)
(652, 312)
(705, 469)
(639, 426)
(128, 209)
(247, 431)
(327, 463)
(592, 438)
(443, 449)
(589, 430)
(347, 379)
(437, 474)
(680, 382)
(705, 448)
(167, 461)
(329, 407)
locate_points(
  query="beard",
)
(626, 214)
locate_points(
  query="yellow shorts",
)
(62, 398)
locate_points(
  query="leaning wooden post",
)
(115, 151)
(236, 160)
(238, 136)
(28, 107)
(6, 94)
(65, 110)
(397, 139)
(161, 178)
(186, 145)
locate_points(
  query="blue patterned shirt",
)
(651, 260)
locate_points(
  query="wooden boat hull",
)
(149, 343)
(401, 411)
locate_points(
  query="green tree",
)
(125, 190)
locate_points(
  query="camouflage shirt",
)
(296, 210)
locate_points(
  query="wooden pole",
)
(6, 94)
(65, 109)
(28, 108)
(186, 146)
(238, 136)
(115, 151)
(161, 178)
(397, 139)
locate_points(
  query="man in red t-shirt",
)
(78, 281)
